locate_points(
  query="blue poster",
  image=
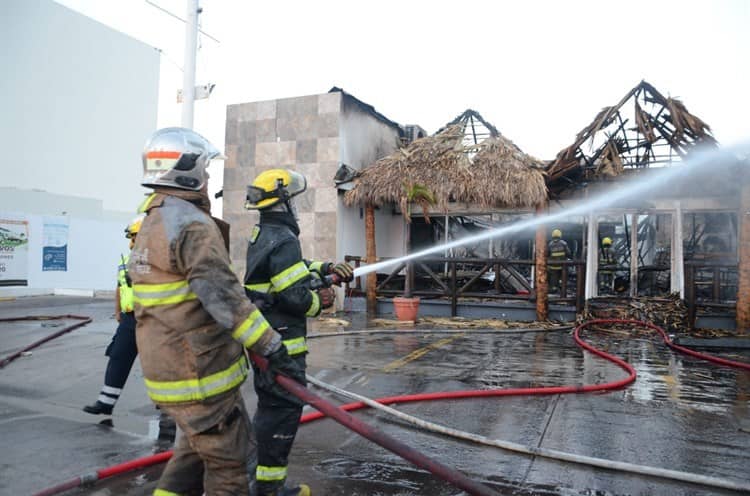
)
(55, 247)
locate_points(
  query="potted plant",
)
(406, 307)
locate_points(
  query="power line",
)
(179, 19)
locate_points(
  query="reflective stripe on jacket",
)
(275, 266)
(558, 250)
(192, 313)
(124, 285)
(607, 262)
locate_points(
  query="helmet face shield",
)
(274, 186)
(177, 158)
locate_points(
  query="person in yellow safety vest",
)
(607, 266)
(194, 322)
(557, 249)
(122, 350)
(278, 276)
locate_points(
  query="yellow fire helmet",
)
(556, 233)
(273, 186)
(607, 242)
(134, 226)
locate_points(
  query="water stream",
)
(720, 162)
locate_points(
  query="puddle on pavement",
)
(365, 478)
(484, 361)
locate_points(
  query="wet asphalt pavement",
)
(680, 414)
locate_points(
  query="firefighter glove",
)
(327, 297)
(343, 270)
(279, 362)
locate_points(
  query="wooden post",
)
(541, 285)
(634, 255)
(580, 287)
(372, 277)
(592, 256)
(716, 285)
(690, 294)
(743, 269)
(454, 290)
(445, 253)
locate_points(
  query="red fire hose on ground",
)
(84, 320)
(448, 474)
(324, 405)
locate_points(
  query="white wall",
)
(363, 140)
(94, 248)
(389, 232)
(78, 101)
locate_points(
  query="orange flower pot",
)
(406, 308)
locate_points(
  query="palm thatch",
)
(491, 174)
(616, 144)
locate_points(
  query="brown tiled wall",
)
(301, 134)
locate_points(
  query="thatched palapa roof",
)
(494, 173)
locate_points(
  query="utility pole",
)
(191, 47)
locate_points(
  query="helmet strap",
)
(290, 208)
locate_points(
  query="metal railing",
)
(708, 285)
(460, 279)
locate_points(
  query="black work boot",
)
(98, 408)
(301, 490)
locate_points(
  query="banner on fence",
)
(14, 251)
(55, 244)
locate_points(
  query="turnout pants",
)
(276, 423)
(212, 461)
(121, 352)
(554, 277)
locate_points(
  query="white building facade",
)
(79, 99)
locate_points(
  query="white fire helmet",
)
(176, 157)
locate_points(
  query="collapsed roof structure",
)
(644, 129)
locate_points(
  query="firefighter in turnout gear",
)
(194, 321)
(557, 251)
(278, 279)
(607, 266)
(122, 350)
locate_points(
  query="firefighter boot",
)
(98, 408)
(301, 490)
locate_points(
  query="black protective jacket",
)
(277, 278)
(558, 250)
(607, 261)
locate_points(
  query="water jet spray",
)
(726, 157)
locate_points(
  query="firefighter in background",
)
(607, 266)
(557, 250)
(122, 350)
(278, 279)
(194, 321)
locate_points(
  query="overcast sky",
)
(538, 70)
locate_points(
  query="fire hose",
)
(361, 403)
(448, 474)
(551, 453)
(84, 320)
